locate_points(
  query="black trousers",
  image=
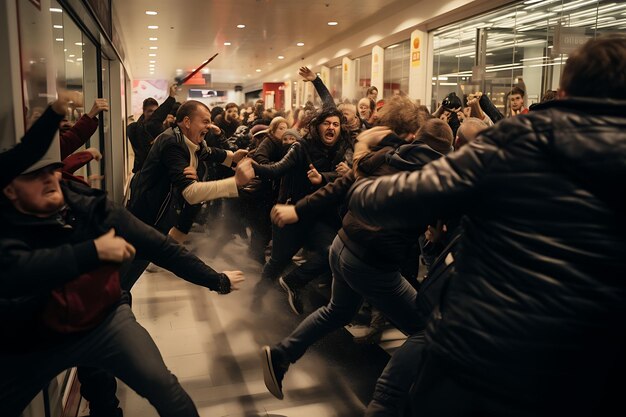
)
(287, 241)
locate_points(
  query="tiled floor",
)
(211, 343)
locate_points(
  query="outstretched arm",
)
(320, 87)
(419, 198)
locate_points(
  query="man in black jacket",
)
(309, 164)
(61, 247)
(142, 133)
(163, 195)
(533, 324)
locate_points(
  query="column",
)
(418, 79)
(378, 60)
(347, 79)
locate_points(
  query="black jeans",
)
(288, 240)
(119, 345)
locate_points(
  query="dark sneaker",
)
(273, 372)
(294, 296)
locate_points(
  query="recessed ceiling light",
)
(332, 23)
(151, 54)
(153, 39)
(258, 70)
(79, 59)
(154, 47)
(241, 26)
(55, 10)
(57, 26)
(281, 57)
(79, 44)
(151, 65)
(152, 62)
(59, 39)
(153, 27)
(300, 44)
(72, 56)
(227, 43)
(151, 13)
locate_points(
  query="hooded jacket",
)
(538, 309)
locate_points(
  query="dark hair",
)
(230, 106)
(372, 88)
(549, 96)
(216, 111)
(597, 69)
(188, 108)
(517, 90)
(149, 102)
(322, 115)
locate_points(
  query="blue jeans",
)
(354, 281)
(393, 386)
(118, 345)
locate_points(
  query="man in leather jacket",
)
(533, 324)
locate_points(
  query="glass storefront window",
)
(396, 69)
(363, 66)
(524, 45)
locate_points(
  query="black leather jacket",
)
(295, 164)
(539, 305)
(156, 192)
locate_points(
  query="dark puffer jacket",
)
(537, 314)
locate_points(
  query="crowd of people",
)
(515, 215)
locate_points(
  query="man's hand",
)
(111, 248)
(191, 173)
(307, 74)
(342, 168)
(314, 176)
(244, 173)
(283, 214)
(99, 105)
(173, 89)
(67, 98)
(236, 278)
(95, 153)
(239, 155)
(214, 129)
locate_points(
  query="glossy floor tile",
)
(211, 343)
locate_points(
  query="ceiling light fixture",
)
(59, 39)
(151, 54)
(153, 39)
(79, 44)
(154, 47)
(333, 23)
(258, 70)
(241, 26)
(72, 56)
(281, 57)
(153, 27)
(151, 13)
(57, 26)
(300, 44)
(227, 44)
(56, 10)
(153, 62)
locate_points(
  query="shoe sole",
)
(269, 377)
(285, 287)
